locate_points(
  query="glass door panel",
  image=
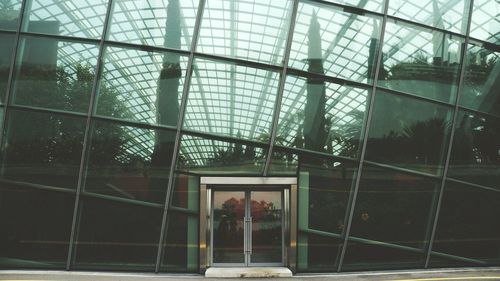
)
(228, 227)
(266, 231)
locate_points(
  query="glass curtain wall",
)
(387, 112)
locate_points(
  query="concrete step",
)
(250, 272)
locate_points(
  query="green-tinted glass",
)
(167, 24)
(329, 41)
(43, 148)
(9, 15)
(78, 18)
(484, 23)
(231, 100)
(6, 49)
(481, 87)
(36, 226)
(468, 225)
(247, 29)
(320, 116)
(421, 61)
(371, 5)
(180, 250)
(117, 236)
(207, 156)
(317, 253)
(394, 208)
(129, 162)
(443, 14)
(141, 86)
(54, 74)
(475, 156)
(408, 133)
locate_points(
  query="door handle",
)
(250, 235)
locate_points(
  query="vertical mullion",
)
(12, 68)
(281, 87)
(369, 116)
(87, 137)
(463, 57)
(183, 105)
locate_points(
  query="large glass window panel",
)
(232, 100)
(129, 162)
(394, 208)
(159, 23)
(186, 192)
(42, 148)
(36, 226)
(141, 86)
(9, 14)
(371, 5)
(117, 235)
(329, 41)
(375, 256)
(475, 155)
(468, 224)
(283, 162)
(81, 18)
(210, 156)
(481, 86)
(408, 133)
(421, 61)
(324, 187)
(317, 253)
(485, 25)
(180, 250)
(247, 29)
(54, 74)
(6, 49)
(451, 15)
(322, 116)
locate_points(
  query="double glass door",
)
(247, 228)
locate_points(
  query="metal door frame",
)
(288, 187)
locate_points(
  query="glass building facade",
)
(386, 111)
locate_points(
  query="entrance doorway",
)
(247, 228)
(247, 222)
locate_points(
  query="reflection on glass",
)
(228, 227)
(484, 23)
(80, 18)
(371, 5)
(146, 22)
(468, 224)
(117, 236)
(443, 14)
(409, 133)
(324, 191)
(267, 234)
(141, 86)
(481, 87)
(55, 74)
(186, 192)
(129, 162)
(283, 162)
(9, 15)
(247, 29)
(206, 156)
(345, 43)
(329, 119)
(317, 253)
(394, 208)
(6, 48)
(180, 251)
(43, 148)
(232, 100)
(36, 226)
(374, 256)
(421, 61)
(475, 153)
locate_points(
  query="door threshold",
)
(249, 272)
